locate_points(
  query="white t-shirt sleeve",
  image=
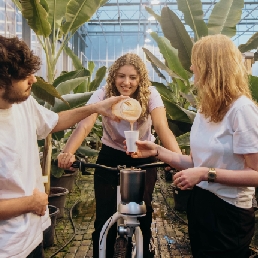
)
(97, 96)
(45, 119)
(245, 127)
(155, 99)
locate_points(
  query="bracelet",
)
(157, 154)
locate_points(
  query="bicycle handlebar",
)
(82, 165)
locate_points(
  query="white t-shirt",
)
(113, 132)
(20, 173)
(222, 145)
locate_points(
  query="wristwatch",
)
(212, 175)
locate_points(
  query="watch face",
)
(212, 175)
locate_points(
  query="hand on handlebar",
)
(65, 160)
(145, 149)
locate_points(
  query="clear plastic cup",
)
(131, 138)
(127, 109)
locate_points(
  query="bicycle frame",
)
(131, 226)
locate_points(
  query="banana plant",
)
(176, 45)
(79, 83)
(55, 21)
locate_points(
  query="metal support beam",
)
(26, 33)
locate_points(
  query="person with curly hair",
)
(222, 168)
(23, 202)
(127, 76)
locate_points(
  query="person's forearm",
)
(69, 118)
(10, 208)
(245, 177)
(79, 134)
(169, 141)
(175, 160)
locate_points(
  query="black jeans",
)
(216, 228)
(38, 252)
(105, 186)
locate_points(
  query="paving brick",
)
(167, 224)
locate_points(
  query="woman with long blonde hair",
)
(222, 168)
(128, 76)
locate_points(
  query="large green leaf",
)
(151, 12)
(224, 17)
(183, 140)
(36, 16)
(78, 12)
(18, 4)
(75, 59)
(68, 86)
(174, 112)
(159, 64)
(87, 151)
(174, 30)
(100, 74)
(91, 66)
(193, 16)
(253, 82)
(45, 91)
(156, 69)
(57, 10)
(170, 54)
(44, 5)
(74, 100)
(71, 75)
(252, 43)
(164, 91)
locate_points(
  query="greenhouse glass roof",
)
(122, 26)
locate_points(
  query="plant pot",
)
(67, 180)
(49, 233)
(57, 197)
(168, 174)
(181, 198)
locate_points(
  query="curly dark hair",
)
(17, 61)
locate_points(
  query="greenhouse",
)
(128, 128)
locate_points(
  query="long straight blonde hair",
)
(222, 75)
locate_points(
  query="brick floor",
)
(73, 231)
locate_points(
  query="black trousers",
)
(216, 228)
(38, 252)
(105, 186)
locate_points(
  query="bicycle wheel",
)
(120, 247)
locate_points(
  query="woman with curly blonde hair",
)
(128, 76)
(222, 168)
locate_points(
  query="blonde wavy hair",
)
(222, 75)
(143, 92)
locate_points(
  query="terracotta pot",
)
(67, 180)
(49, 233)
(57, 197)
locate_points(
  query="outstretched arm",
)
(159, 120)
(66, 158)
(175, 160)
(69, 118)
(245, 177)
